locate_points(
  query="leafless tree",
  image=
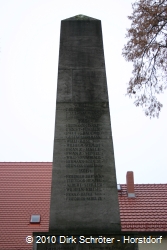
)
(147, 49)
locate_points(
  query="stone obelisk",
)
(84, 197)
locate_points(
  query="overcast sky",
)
(29, 45)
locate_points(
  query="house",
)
(25, 189)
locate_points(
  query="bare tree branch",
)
(146, 48)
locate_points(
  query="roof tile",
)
(25, 190)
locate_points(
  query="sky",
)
(29, 50)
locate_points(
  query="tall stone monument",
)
(84, 197)
(84, 194)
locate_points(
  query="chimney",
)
(130, 184)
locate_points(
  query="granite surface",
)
(84, 193)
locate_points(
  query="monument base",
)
(50, 241)
(86, 247)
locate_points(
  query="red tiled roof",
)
(147, 211)
(25, 190)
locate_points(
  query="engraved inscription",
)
(84, 154)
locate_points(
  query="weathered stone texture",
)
(84, 194)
